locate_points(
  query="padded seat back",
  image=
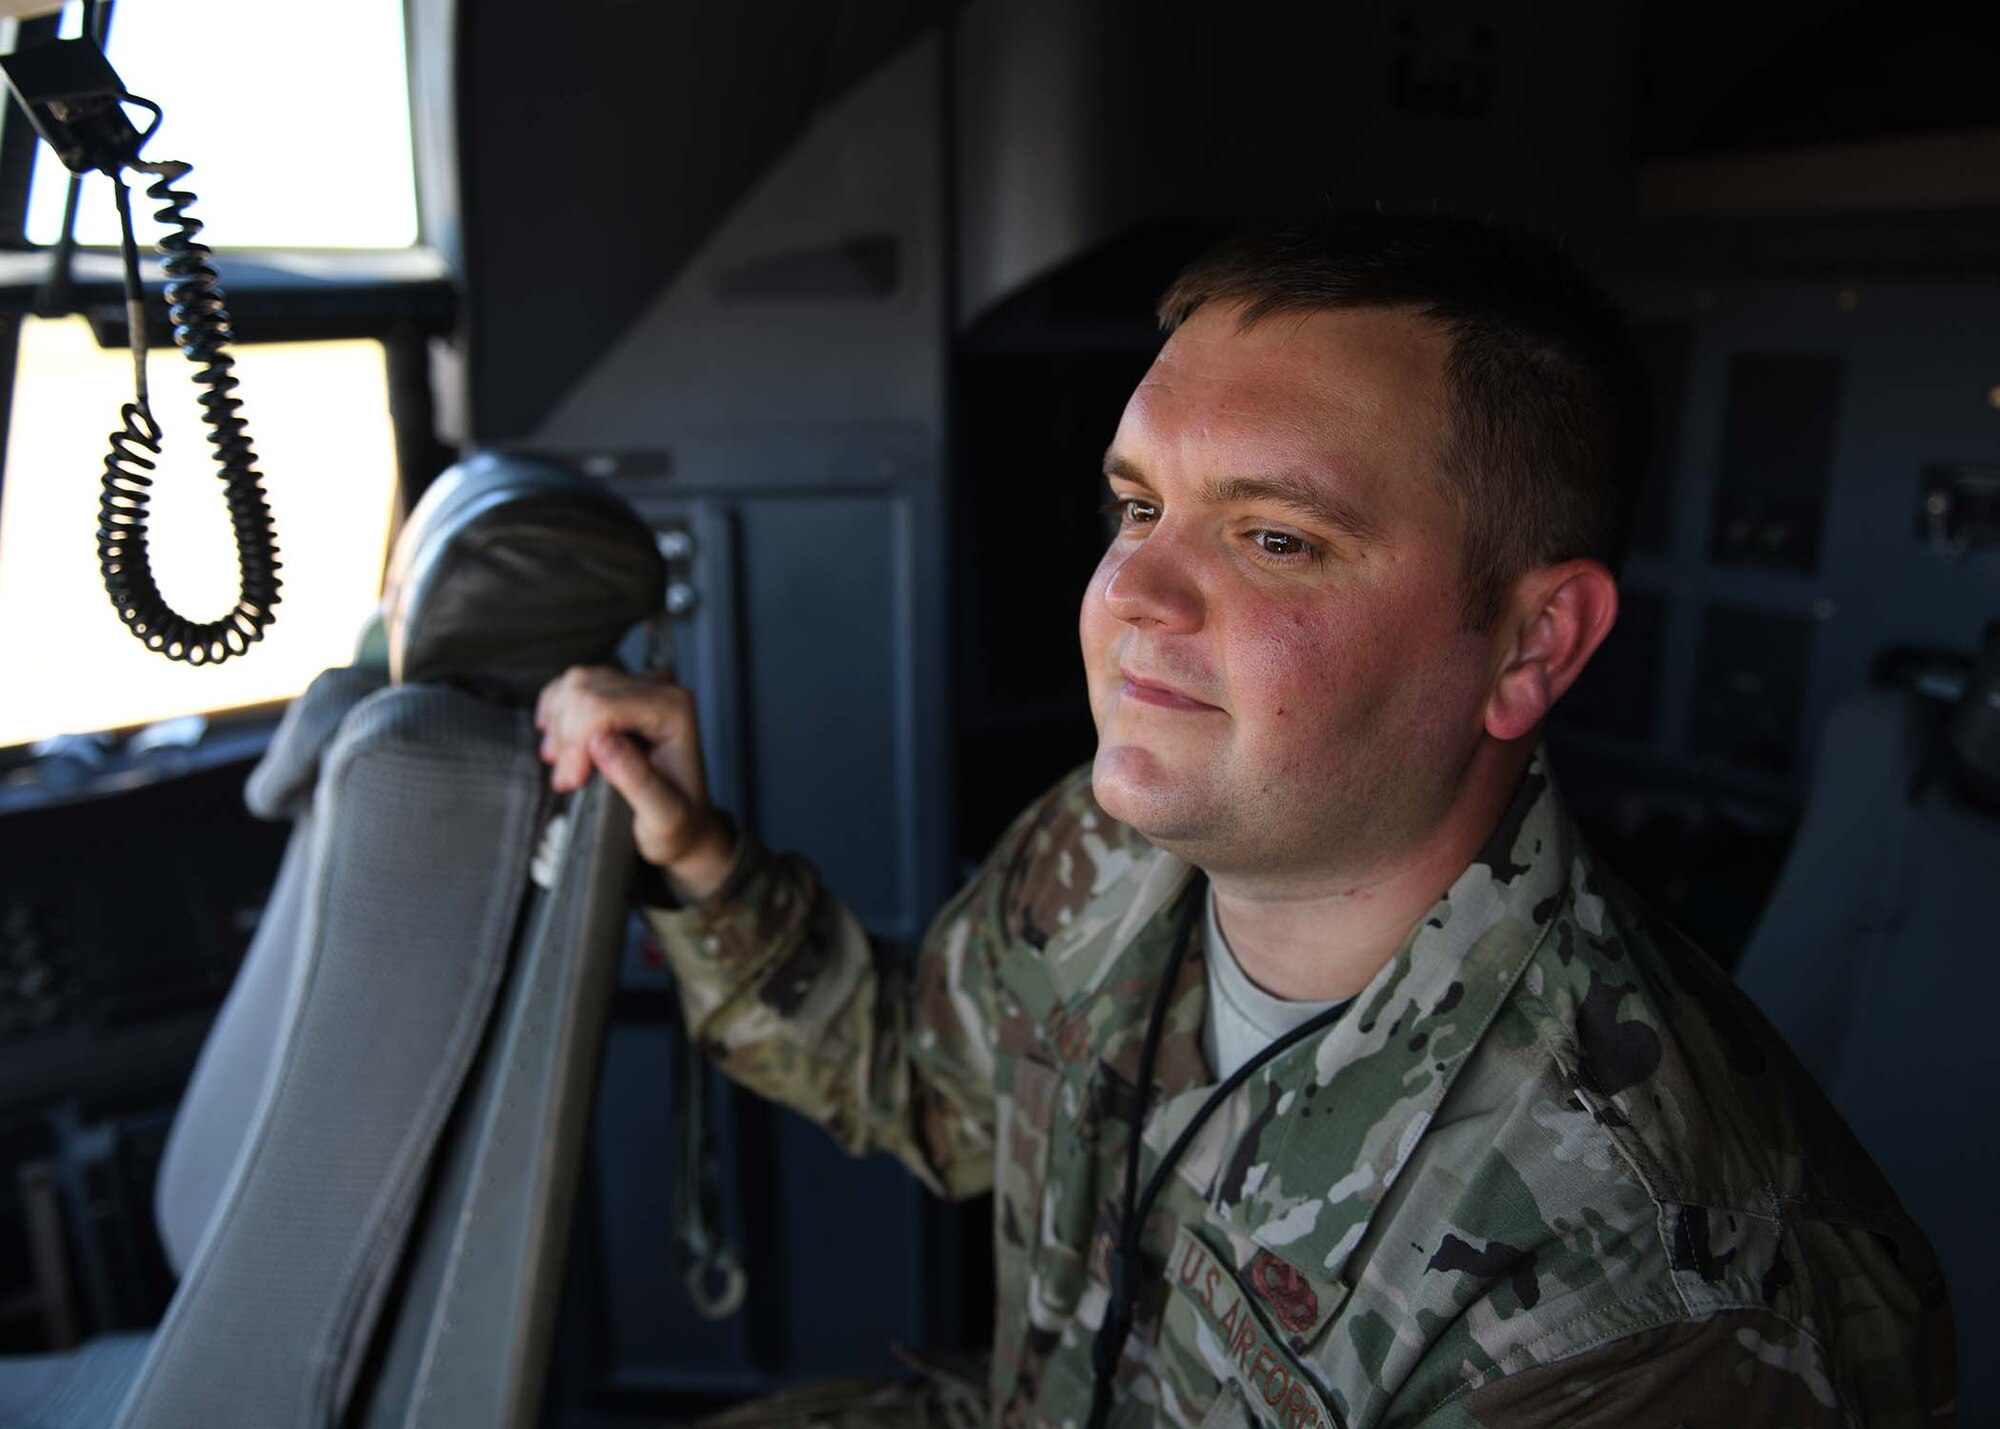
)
(215, 1114)
(1876, 959)
(414, 870)
(473, 1334)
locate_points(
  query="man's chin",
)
(1133, 786)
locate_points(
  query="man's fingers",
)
(640, 730)
(660, 812)
(572, 767)
(584, 702)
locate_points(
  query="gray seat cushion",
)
(221, 1100)
(1875, 959)
(281, 785)
(79, 1390)
(422, 829)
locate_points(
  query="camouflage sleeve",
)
(1744, 1369)
(784, 990)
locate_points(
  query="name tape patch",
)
(1277, 1390)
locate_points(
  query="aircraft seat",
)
(1874, 958)
(413, 1010)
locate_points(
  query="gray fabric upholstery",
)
(281, 785)
(80, 1390)
(213, 1122)
(1833, 915)
(422, 831)
(1876, 959)
(215, 1112)
(473, 1338)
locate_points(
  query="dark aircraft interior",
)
(778, 343)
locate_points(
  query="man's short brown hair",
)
(1548, 426)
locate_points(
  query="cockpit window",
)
(297, 122)
(295, 117)
(320, 418)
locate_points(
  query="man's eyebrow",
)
(1301, 495)
(1124, 470)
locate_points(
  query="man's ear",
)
(1557, 618)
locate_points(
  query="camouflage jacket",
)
(1550, 1167)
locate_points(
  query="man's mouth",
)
(1166, 697)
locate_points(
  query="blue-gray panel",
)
(810, 1223)
(1914, 390)
(704, 641)
(656, 1337)
(852, 1268)
(824, 630)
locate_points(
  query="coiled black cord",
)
(201, 330)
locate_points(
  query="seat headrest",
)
(510, 570)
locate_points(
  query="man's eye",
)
(1280, 543)
(1131, 511)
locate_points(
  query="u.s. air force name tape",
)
(1240, 1344)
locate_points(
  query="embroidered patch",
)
(1288, 1294)
(1240, 1345)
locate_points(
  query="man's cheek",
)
(1295, 678)
(1094, 624)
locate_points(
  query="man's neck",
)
(1324, 936)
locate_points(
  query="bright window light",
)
(295, 117)
(319, 415)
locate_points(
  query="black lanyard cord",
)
(1127, 1269)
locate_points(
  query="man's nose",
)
(1157, 584)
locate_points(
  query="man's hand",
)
(640, 731)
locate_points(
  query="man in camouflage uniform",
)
(1547, 1167)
